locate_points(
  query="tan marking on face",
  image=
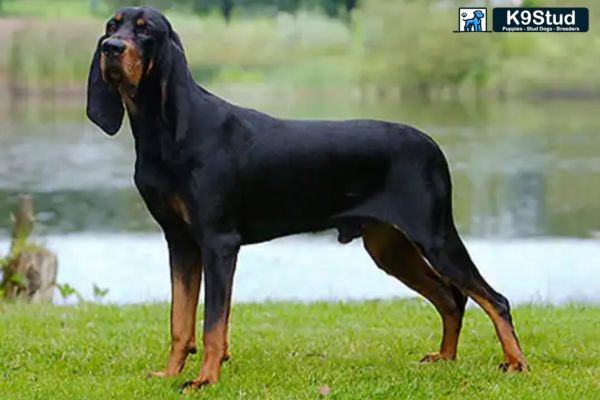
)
(140, 22)
(118, 17)
(132, 64)
(129, 75)
(180, 208)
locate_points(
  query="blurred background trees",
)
(332, 8)
(371, 47)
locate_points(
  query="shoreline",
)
(307, 269)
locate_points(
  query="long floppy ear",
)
(175, 82)
(104, 104)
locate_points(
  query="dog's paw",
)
(516, 366)
(226, 356)
(192, 386)
(433, 357)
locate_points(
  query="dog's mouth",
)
(114, 73)
(116, 76)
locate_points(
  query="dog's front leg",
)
(219, 252)
(186, 274)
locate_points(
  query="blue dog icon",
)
(473, 24)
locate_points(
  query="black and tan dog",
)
(216, 176)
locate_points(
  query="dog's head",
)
(137, 45)
(478, 14)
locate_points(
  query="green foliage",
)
(226, 8)
(67, 291)
(367, 350)
(4, 275)
(19, 280)
(7, 276)
(425, 58)
(99, 293)
(3, 263)
(404, 52)
(385, 48)
(49, 56)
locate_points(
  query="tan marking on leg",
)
(449, 345)
(513, 356)
(183, 322)
(180, 208)
(214, 350)
(448, 348)
(183, 325)
(396, 254)
(376, 238)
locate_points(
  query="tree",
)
(351, 5)
(289, 6)
(227, 9)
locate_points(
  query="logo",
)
(472, 20)
(541, 19)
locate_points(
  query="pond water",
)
(527, 198)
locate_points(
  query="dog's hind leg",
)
(425, 215)
(393, 252)
(446, 253)
(453, 262)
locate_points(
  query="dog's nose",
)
(113, 47)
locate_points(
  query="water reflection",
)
(309, 268)
(520, 170)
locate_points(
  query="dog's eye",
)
(111, 28)
(142, 30)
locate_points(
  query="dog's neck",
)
(145, 101)
(161, 111)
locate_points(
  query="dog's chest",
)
(161, 189)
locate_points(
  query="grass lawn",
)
(291, 351)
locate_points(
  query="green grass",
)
(288, 351)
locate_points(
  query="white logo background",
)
(470, 13)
